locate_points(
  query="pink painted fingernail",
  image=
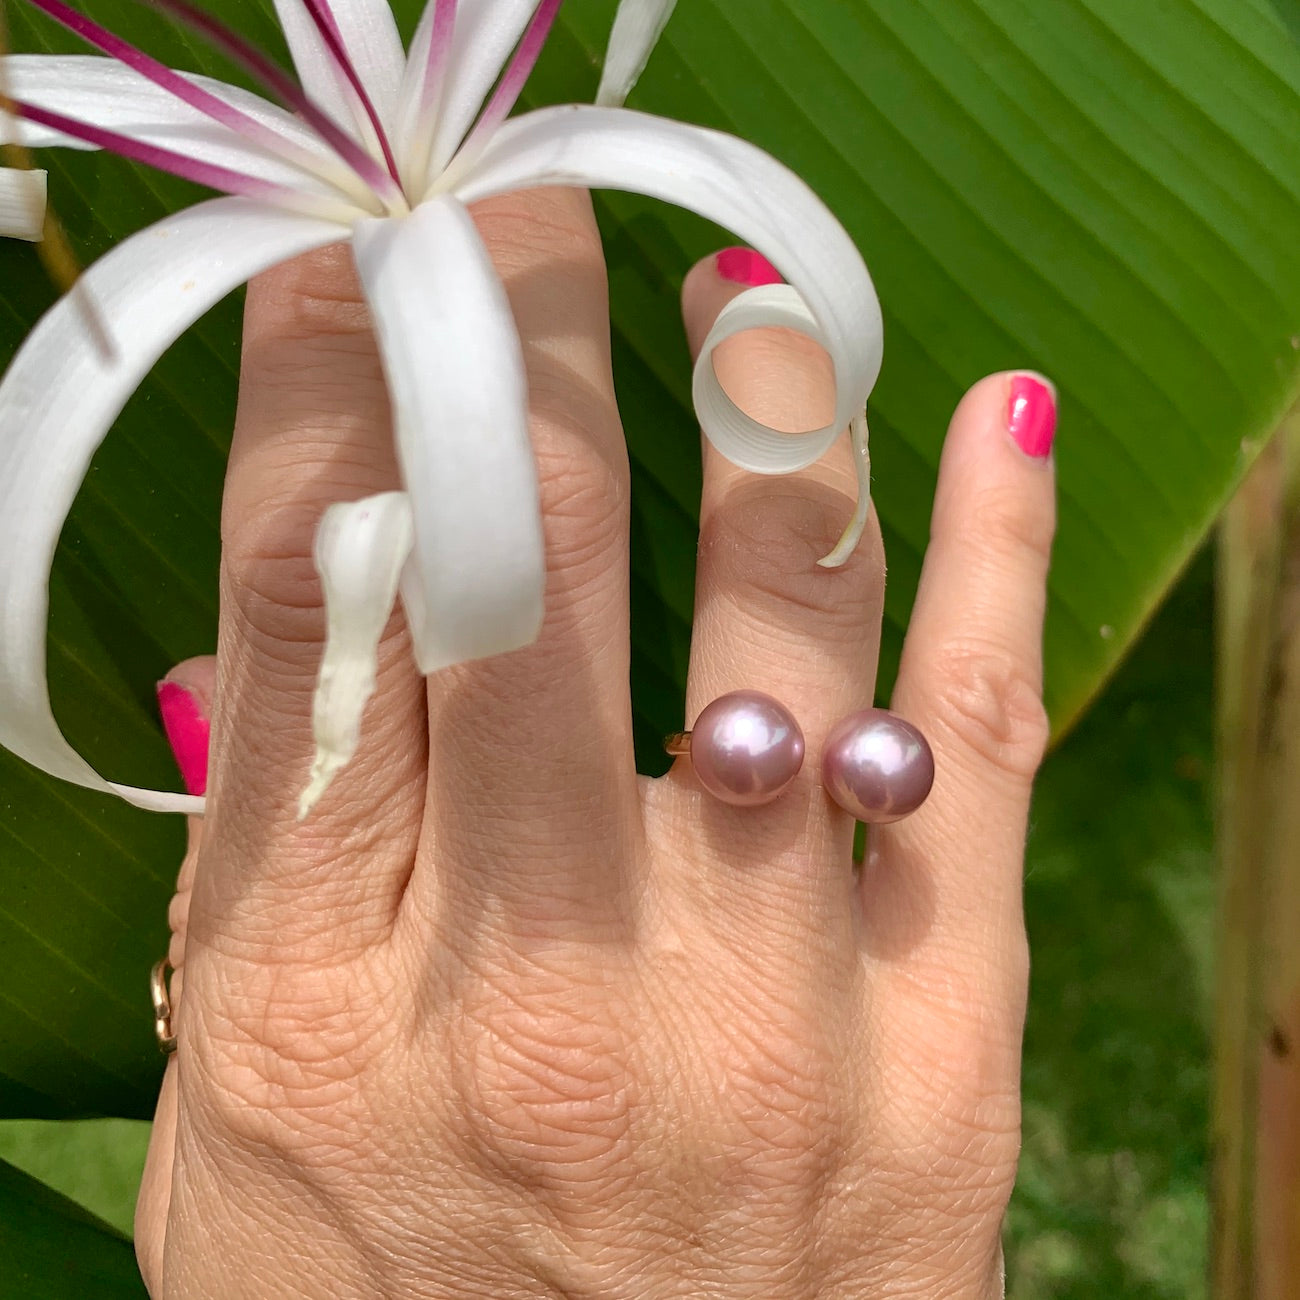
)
(744, 266)
(1031, 417)
(187, 733)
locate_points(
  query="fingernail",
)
(1031, 417)
(744, 266)
(187, 733)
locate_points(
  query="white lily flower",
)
(383, 149)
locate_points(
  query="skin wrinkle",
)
(329, 899)
(996, 713)
(273, 1228)
(560, 1031)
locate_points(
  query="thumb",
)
(185, 703)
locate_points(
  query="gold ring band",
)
(162, 1007)
(677, 744)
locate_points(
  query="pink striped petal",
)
(104, 93)
(433, 67)
(513, 80)
(423, 88)
(213, 176)
(326, 24)
(485, 35)
(210, 105)
(369, 34)
(277, 82)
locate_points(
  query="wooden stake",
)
(1256, 1210)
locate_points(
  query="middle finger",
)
(531, 767)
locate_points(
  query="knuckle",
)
(312, 391)
(583, 474)
(545, 1089)
(548, 225)
(275, 501)
(992, 706)
(765, 543)
(269, 580)
(307, 298)
(309, 351)
(958, 1100)
(284, 1058)
(980, 1147)
(795, 1114)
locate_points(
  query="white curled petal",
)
(22, 204)
(486, 34)
(361, 549)
(743, 441)
(767, 451)
(369, 32)
(860, 437)
(59, 398)
(107, 94)
(743, 189)
(638, 25)
(456, 377)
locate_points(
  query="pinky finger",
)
(947, 883)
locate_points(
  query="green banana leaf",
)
(1099, 189)
(54, 1250)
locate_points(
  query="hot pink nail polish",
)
(187, 733)
(1031, 417)
(744, 266)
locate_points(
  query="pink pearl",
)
(746, 748)
(877, 767)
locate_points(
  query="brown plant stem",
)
(1256, 1221)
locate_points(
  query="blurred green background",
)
(1112, 1193)
(1102, 189)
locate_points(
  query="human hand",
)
(503, 1019)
